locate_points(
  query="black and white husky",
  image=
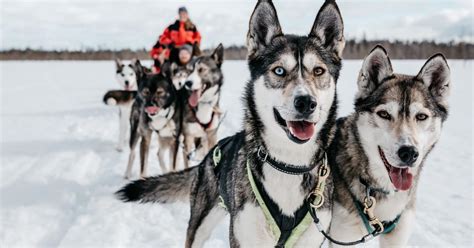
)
(153, 111)
(127, 77)
(201, 110)
(380, 149)
(290, 111)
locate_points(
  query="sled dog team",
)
(295, 175)
(181, 101)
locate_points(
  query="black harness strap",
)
(263, 156)
(229, 148)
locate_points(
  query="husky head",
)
(293, 78)
(156, 93)
(399, 117)
(126, 74)
(205, 77)
(178, 75)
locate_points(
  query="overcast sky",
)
(76, 24)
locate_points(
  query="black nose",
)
(126, 82)
(188, 84)
(408, 154)
(305, 104)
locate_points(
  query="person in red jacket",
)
(180, 33)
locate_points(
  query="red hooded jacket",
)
(177, 34)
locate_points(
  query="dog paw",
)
(111, 101)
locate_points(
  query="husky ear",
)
(375, 68)
(328, 27)
(435, 74)
(263, 26)
(166, 68)
(196, 50)
(218, 55)
(139, 69)
(173, 66)
(118, 64)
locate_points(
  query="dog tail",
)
(167, 188)
(117, 97)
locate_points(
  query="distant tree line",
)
(354, 50)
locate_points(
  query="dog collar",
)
(263, 156)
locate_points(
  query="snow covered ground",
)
(59, 168)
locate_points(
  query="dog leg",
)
(121, 131)
(133, 143)
(162, 143)
(188, 147)
(400, 235)
(124, 126)
(172, 147)
(205, 212)
(144, 150)
(211, 139)
(201, 224)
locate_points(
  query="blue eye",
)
(279, 71)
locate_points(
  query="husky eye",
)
(160, 92)
(123, 75)
(318, 71)
(279, 71)
(145, 92)
(421, 117)
(131, 74)
(384, 115)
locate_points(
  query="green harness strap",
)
(370, 229)
(299, 229)
(216, 157)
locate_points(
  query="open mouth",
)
(193, 99)
(401, 178)
(298, 131)
(152, 110)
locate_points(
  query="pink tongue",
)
(152, 109)
(302, 130)
(194, 98)
(401, 178)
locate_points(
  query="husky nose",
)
(188, 84)
(126, 82)
(408, 154)
(305, 104)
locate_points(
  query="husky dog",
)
(379, 150)
(152, 111)
(290, 111)
(201, 114)
(127, 77)
(126, 74)
(178, 75)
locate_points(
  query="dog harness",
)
(223, 156)
(163, 123)
(286, 230)
(374, 226)
(207, 125)
(388, 226)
